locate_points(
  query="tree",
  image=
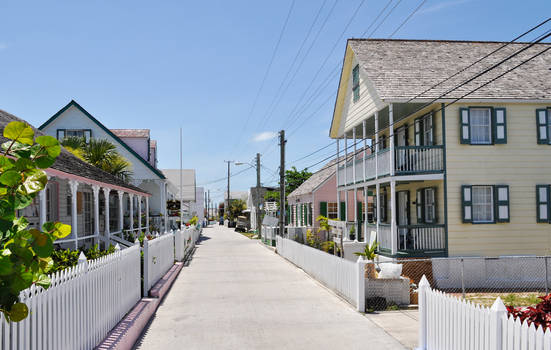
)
(236, 208)
(293, 179)
(100, 153)
(25, 254)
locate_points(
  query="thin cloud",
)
(264, 136)
(443, 6)
(3, 46)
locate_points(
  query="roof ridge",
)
(446, 41)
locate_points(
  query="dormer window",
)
(356, 82)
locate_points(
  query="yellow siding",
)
(437, 120)
(521, 164)
(412, 187)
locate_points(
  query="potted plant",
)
(352, 233)
(369, 254)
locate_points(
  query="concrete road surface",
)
(237, 294)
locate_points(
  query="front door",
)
(403, 218)
(401, 140)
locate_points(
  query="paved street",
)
(237, 294)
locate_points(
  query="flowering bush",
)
(539, 315)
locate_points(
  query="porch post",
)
(364, 135)
(42, 207)
(345, 160)
(147, 214)
(356, 229)
(365, 214)
(391, 138)
(107, 230)
(74, 225)
(131, 196)
(346, 211)
(95, 191)
(163, 204)
(393, 230)
(121, 210)
(338, 180)
(378, 212)
(139, 198)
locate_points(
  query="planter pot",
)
(413, 298)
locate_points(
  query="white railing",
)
(384, 236)
(448, 322)
(342, 179)
(370, 170)
(349, 173)
(344, 277)
(359, 170)
(383, 162)
(81, 306)
(419, 159)
(158, 258)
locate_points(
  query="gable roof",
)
(109, 132)
(314, 181)
(131, 132)
(69, 163)
(401, 69)
(188, 183)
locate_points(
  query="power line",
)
(408, 18)
(225, 177)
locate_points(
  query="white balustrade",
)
(383, 162)
(419, 159)
(158, 255)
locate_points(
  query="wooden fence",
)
(344, 277)
(81, 306)
(449, 322)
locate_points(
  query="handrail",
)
(421, 147)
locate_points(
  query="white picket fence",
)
(184, 241)
(158, 258)
(449, 322)
(81, 306)
(344, 277)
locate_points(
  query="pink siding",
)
(138, 144)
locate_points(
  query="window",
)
(543, 197)
(543, 119)
(356, 82)
(83, 133)
(332, 210)
(482, 197)
(424, 130)
(481, 126)
(430, 205)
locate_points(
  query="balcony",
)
(412, 240)
(409, 160)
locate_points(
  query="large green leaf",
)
(19, 131)
(6, 265)
(50, 144)
(61, 230)
(35, 181)
(10, 178)
(18, 312)
(44, 161)
(6, 163)
(43, 247)
(43, 280)
(7, 209)
(22, 200)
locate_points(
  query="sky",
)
(231, 74)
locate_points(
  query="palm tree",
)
(100, 153)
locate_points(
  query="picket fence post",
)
(145, 250)
(360, 267)
(83, 261)
(497, 312)
(424, 286)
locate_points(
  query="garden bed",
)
(512, 299)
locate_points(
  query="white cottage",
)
(133, 144)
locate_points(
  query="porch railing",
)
(422, 238)
(419, 159)
(384, 236)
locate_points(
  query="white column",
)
(345, 160)
(391, 138)
(365, 214)
(107, 231)
(139, 198)
(147, 214)
(393, 230)
(377, 145)
(356, 231)
(121, 210)
(131, 196)
(364, 135)
(74, 224)
(338, 180)
(377, 200)
(42, 207)
(95, 191)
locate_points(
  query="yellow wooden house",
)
(461, 161)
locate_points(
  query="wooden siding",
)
(412, 188)
(521, 164)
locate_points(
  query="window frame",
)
(546, 202)
(491, 202)
(427, 206)
(490, 126)
(333, 215)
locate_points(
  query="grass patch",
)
(509, 299)
(249, 235)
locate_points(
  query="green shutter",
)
(435, 204)
(287, 215)
(359, 212)
(300, 215)
(323, 209)
(467, 203)
(464, 121)
(343, 211)
(542, 203)
(500, 126)
(310, 214)
(383, 207)
(433, 141)
(501, 199)
(542, 123)
(420, 206)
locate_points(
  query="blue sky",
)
(200, 65)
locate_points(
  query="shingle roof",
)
(315, 180)
(131, 132)
(68, 163)
(401, 69)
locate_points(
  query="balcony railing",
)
(419, 159)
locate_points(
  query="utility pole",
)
(258, 199)
(208, 207)
(282, 142)
(227, 205)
